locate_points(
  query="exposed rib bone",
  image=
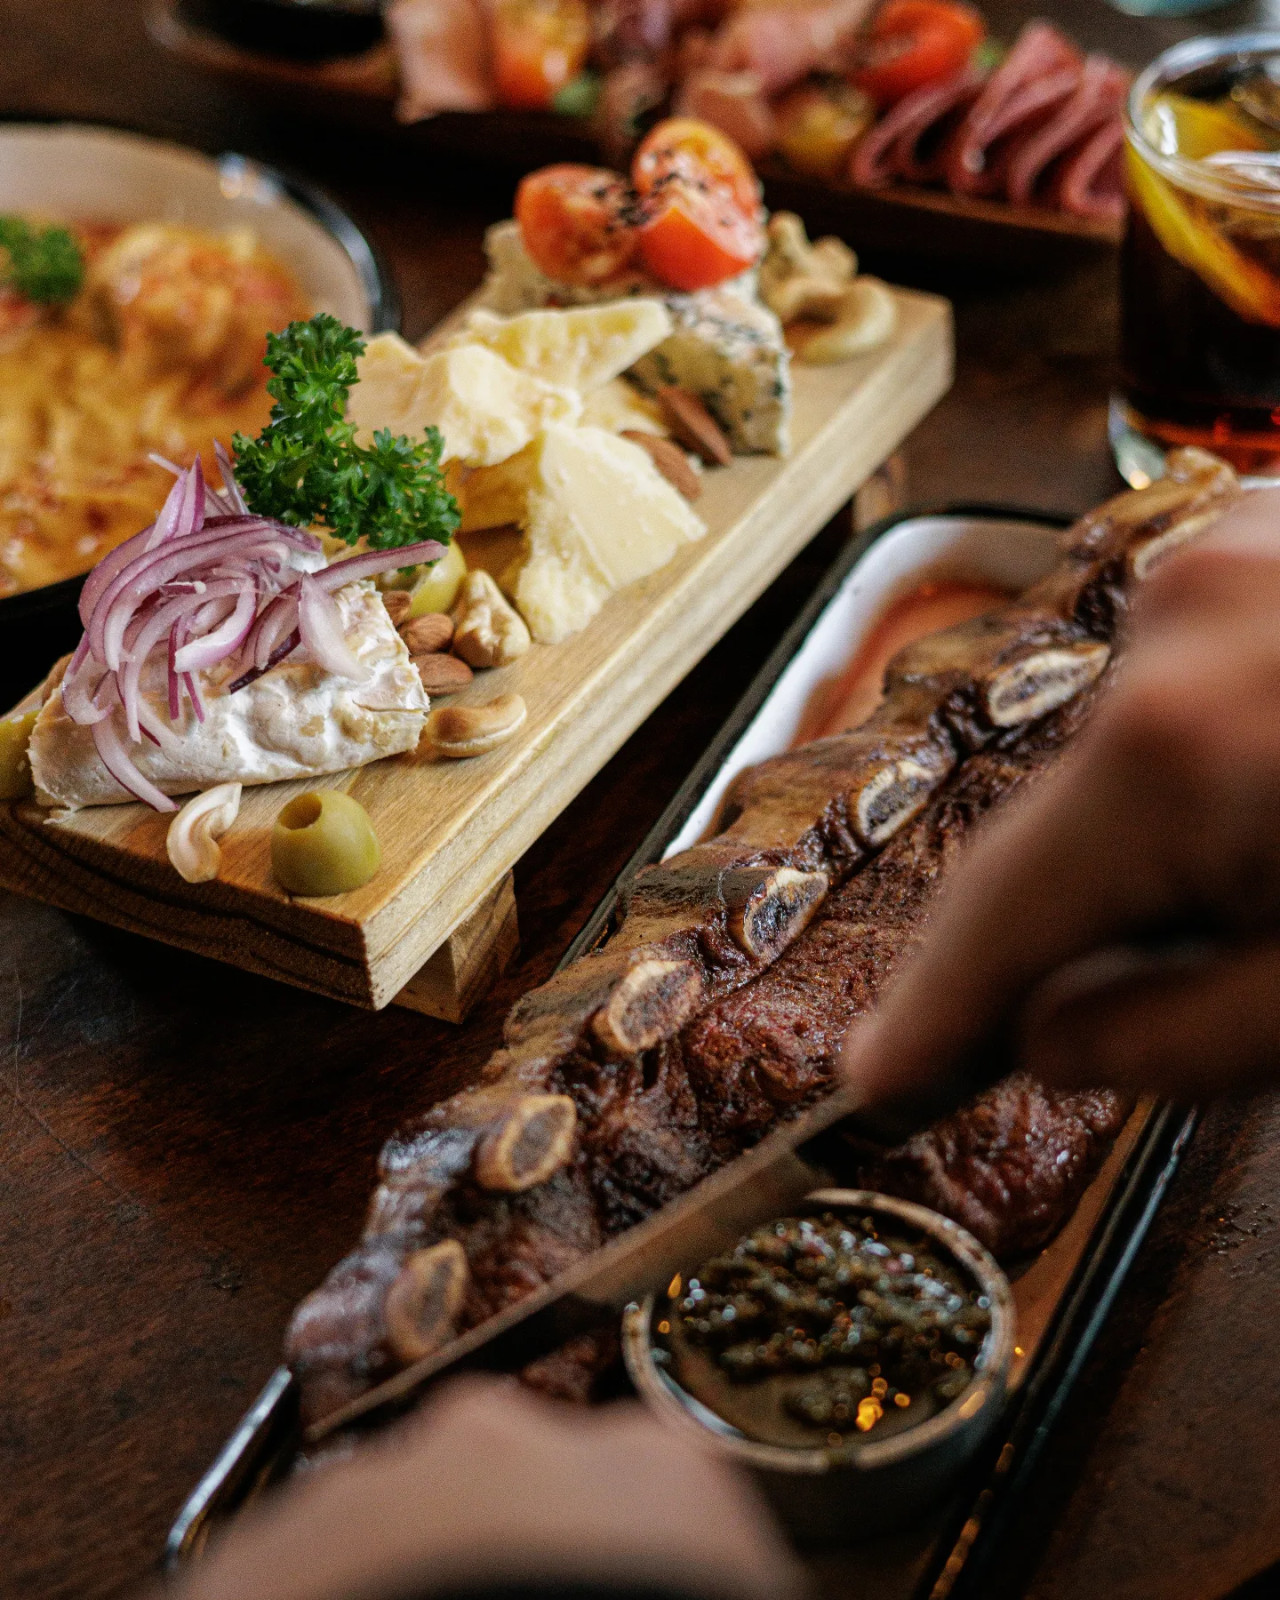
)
(768, 911)
(652, 1001)
(424, 1301)
(531, 1142)
(1041, 682)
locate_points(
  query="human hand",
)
(488, 1484)
(1120, 925)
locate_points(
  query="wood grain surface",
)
(451, 830)
(185, 1149)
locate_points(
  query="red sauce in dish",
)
(846, 700)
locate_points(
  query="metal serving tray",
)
(1064, 1293)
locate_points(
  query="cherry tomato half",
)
(538, 47)
(916, 42)
(698, 153)
(694, 235)
(573, 223)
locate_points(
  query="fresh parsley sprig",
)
(306, 467)
(46, 267)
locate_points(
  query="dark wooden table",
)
(184, 1150)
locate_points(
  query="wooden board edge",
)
(470, 961)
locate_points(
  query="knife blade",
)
(767, 1182)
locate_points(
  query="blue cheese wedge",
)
(296, 721)
(725, 345)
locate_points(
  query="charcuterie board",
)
(898, 219)
(434, 922)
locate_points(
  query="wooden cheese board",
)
(432, 926)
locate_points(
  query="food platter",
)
(450, 832)
(73, 170)
(1061, 1294)
(895, 220)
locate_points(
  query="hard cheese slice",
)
(598, 516)
(580, 347)
(486, 409)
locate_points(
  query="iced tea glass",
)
(1200, 283)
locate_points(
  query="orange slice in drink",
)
(1196, 129)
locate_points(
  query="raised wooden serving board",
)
(451, 830)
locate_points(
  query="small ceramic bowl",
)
(862, 1487)
(75, 171)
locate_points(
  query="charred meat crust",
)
(717, 1006)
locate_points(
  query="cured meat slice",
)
(735, 103)
(783, 43)
(893, 147)
(1095, 103)
(1040, 72)
(1090, 182)
(442, 50)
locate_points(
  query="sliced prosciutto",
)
(442, 47)
(1090, 181)
(895, 147)
(1040, 73)
(1095, 104)
(784, 43)
(735, 103)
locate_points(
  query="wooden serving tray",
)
(451, 830)
(901, 219)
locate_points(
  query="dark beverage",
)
(1200, 351)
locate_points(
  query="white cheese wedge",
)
(485, 408)
(725, 346)
(598, 516)
(621, 408)
(296, 721)
(580, 347)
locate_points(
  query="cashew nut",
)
(488, 631)
(460, 731)
(799, 279)
(867, 317)
(191, 842)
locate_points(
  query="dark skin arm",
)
(1121, 925)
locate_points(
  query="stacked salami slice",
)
(1043, 128)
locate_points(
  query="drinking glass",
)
(1200, 270)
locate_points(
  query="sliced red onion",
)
(206, 583)
(320, 624)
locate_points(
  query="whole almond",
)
(397, 602)
(670, 461)
(426, 634)
(694, 425)
(442, 674)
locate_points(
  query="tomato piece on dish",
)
(683, 147)
(539, 46)
(694, 235)
(573, 220)
(912, 43)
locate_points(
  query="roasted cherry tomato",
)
(694, 234)
(573, 223)
(818, 126)
(912, 43)
(685, 148)
(538, 47)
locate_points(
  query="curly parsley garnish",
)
(306, 467)
(46, 266)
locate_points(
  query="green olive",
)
(323, 843)
(437, 588)
(15, 764)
